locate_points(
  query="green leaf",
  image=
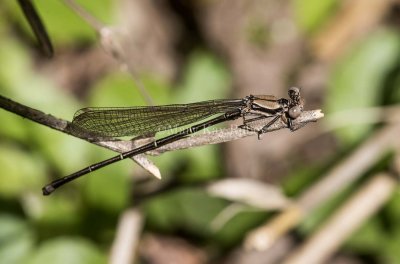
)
(389, 249)
(190, 210)
(358, 78)
(62, 24)
(58, 212)
(3, 20)
(368, 239)
(311, 14)
(301, 178)
(59, 148)
(16, 240)
(236, 228)
(393, 210)
(14, 127)
(18, 64)
(205, 78)
(395, 91)
(118, 89)
(20, 172)
(322, 213)
(204, 163)
(108, 188)
(67, 250)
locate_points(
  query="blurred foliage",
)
(81, 219)
(189, 210)
(79, 251)
(366, 76)
(71, 29)
(358, 79)
(16, 239)
(258, 34)
(311, 14)
(106, 192)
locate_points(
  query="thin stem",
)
(109, 41)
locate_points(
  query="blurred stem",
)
(343, 174)
(127, 237)
(37, 26)
(322, 245)
(91, 20)
(361, 116)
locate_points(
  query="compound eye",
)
(295, 112)
(294, 91)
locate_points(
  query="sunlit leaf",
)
(190, 210)
(120, 90)
(358, 79)
(311, 14)
(205, 78)
(67, 250)
(108, 189)
(234, 231)
(63, 25)
(368, 238)
(59, 210)
(389, 252)
(16, 240)
(19, 171)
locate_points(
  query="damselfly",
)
(148, 120)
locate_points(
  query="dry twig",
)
(61, 125)
(214, 137)
(320, 247)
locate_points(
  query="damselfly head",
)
(294, 93)
(296, 103)
(295, 98)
